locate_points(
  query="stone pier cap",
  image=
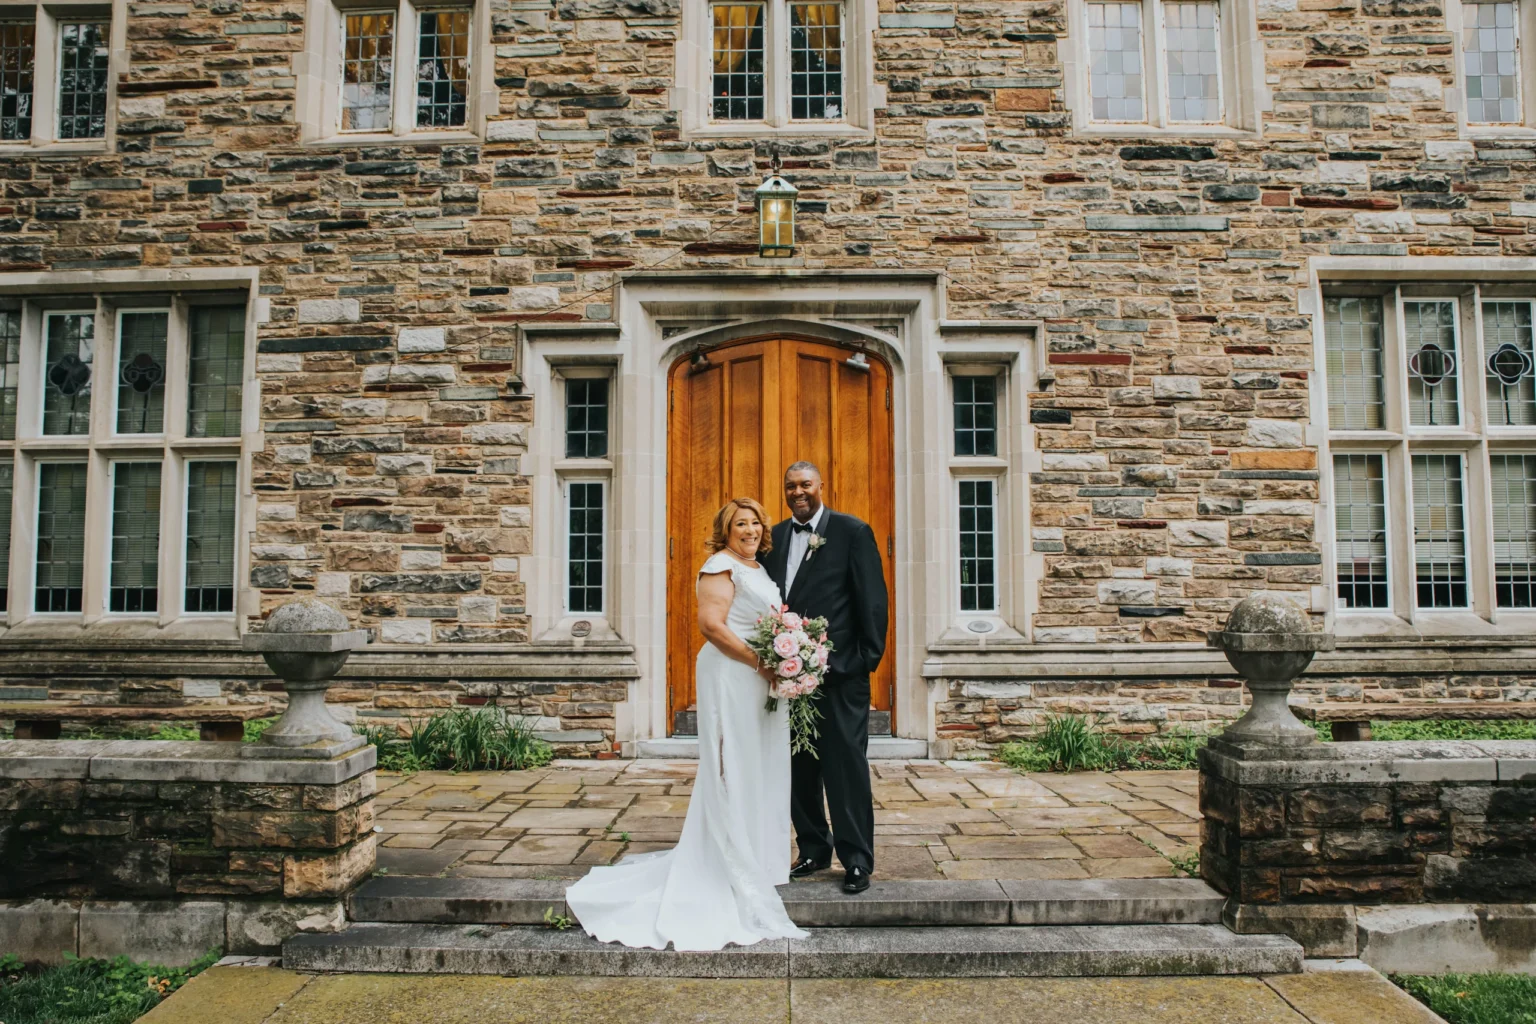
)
(174, 761)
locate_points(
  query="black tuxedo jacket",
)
(842, 582)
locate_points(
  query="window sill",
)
(985, 465)
(960, 633)
(446, 138)
(1093, 130)
(1434, 625)
(120, 628)
(576, 466)
(758, 130)
(1500, 131)
(73, 148)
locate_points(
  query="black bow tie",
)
(799, 527)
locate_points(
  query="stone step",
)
(821, 904)
(980, 952)
(686, 748)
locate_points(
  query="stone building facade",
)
(1187, 258)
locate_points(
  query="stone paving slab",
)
(272, 996)
(963, 820)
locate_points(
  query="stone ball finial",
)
(306, 615)
(1268, 612)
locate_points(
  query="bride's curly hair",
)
(721, 531)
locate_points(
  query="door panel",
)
(735, 423)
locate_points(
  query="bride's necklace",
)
(748, 562)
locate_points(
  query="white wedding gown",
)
(717, 885)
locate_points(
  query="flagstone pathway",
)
(933, 819)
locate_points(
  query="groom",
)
(828, 565)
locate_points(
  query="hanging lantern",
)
(776, 216)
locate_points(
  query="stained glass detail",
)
(141, 341)
(1507, 342)
(1114, 55)
(1193, 55)
(1430, 346)
(71, 342)
(1490, 51)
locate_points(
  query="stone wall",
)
(571, 701)
(1348, 823)
(116, 830)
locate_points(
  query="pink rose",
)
(784, 645)
(792, 621)
(790, 667)
(822, 657)
(807, 683)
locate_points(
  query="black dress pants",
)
(841, 773)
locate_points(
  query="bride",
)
(717, 885)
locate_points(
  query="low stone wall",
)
(164, 849)
(984, 714)
(572, 699)
(1297, 839)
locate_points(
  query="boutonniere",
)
(814, 543)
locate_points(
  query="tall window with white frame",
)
(1433, 473)
(777, 61)
(584, 476)
(404, 68)
(55, 74)
(1490, 57)
(977, 466)
(1155, 62)
(165, 551)
(7, 496)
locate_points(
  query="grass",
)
(1446, 729)
(1069, 743)
(462, 740)
(177, 731)
(1475, 998)
(88, 991)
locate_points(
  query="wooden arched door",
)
(734, 424)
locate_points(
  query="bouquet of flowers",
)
(797, 651)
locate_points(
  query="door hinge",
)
(887, 398)
(890, 546)
(669, 547)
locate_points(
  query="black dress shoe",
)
(855, 881)
(807, 866)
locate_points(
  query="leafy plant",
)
(1188, 862)
(1073, 743)
(1475, 998)
(1444, 729)
(464, 739)
(559, 922)
(91, 991)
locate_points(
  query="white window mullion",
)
(1478, 491)
(173, 539)
(1154, 43)
(1400, 572)
(776, 62)
(403, 95)
(45, 79)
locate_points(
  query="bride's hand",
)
(768, 676)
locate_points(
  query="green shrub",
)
(1072, 743)
(1446, 729)
(89, 991)
(464, 739)
(1476, 998)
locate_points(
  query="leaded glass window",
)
(1439, 531)
(7, 485)
(738, 87)
(70, 346)
(1352, 328)
(367, 71)
(1115, 62)
(212, 490)
(586, 418)
(1509, 361)
(60, 537)
(816, 62)
(217, 366)
(1491, 57)
(1194, 61)
(1433, 363)
(141, 341)
(975, 415)
(10, 371)
(135, 579)
(17, 43)
(978, 555)
(1360, 531)
(442, 69)
(584, 546)
(83, 60)
(1513, 479)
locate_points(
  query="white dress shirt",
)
(799, 543)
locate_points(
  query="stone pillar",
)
(305, 643)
